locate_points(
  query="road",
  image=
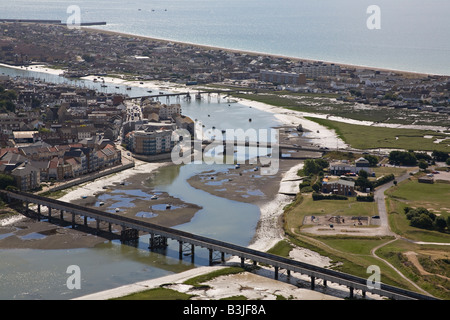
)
(380, 198)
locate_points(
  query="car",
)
(375, 217)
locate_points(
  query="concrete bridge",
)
(188, 95)
(160, 235)
(257, 144)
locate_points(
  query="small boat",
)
(168, 206)
(117, 209)
(237, 166)
(104, 86)
(154, 197)
(117, 87)
(101, 203)
(250, 120)
(128, 88)
(84, 197)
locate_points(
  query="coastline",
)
(256, 53)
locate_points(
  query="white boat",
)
(154, 197)
(237, 166)
(101, 203)
(117, 209)
(168, 206)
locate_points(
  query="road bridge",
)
(159, 236)
(188, 96)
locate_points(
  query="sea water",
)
(412, 35)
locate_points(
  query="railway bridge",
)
(159, 236)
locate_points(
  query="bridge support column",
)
(61, 215)
(49, 214)
(186, 249)
(210, 257)
(109, 227)
(364, 294)
(157, 241)
(242, 262)
(276, 273)
(39, 212)
(129, 234)
(85, 220)
(351, 293)
(288, 273)
(324, 283)
(73, 220)
(313, 284)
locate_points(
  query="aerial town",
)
(55, 133)
(88, 52)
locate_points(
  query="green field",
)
(369, 137)
(410, 193)
(326, 103)
(308, 207)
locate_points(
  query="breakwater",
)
(58, 22)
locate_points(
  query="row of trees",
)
(424, 219)
(411, 158)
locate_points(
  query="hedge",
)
(319, 196)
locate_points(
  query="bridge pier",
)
(61, 215)
(129, 234)
(276, 273)
(351, 292)
(313, 284)
(39, 212)
(49, 214)
(185, 249)
(215, 258)
(157, 241)
(85, 220)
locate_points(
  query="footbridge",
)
(159, 236)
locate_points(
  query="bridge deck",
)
(221, 246)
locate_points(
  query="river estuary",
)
(41, 274)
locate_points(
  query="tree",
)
(447, 162)
(423, 221)
(363, 183)
(440, 155)
(5, 181)
(440, 224)
(423, 164)
(404, 158)
(312, 166)
(373, 160)
(363, 173)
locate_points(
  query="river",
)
(41, 274)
